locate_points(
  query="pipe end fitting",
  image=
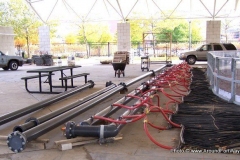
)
(92, 83)
(16, 142)
(69, 129)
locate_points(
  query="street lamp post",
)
(27, 37)
(190, 36)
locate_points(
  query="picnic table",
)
(48, 72)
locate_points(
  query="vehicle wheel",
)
(13, 65)
(5, 68)
(191, 60)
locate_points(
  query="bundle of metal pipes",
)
(176, 78)
(210, 122)
(24, 133)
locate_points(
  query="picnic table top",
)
(52, 69)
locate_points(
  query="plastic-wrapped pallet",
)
(121, 57)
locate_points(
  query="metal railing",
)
(223, 73)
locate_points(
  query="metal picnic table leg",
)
(71, 70)
(40, 82)
(50, 80)
(62, 77)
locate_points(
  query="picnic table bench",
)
(74, 76)
(48, 72)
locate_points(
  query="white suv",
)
(201, 53)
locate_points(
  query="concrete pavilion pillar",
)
(123, 37)
(213, 31)
(44, 39)
(7, 40)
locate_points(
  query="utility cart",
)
(145, 63)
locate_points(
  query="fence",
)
(108, 49)
(223, 72)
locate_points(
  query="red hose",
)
(177, 79)
(165, 116)
(151, 138)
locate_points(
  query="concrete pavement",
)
(134, 145)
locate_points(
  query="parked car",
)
(80, 54)
(10, 62)
(200, 54)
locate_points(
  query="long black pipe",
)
(32, 122)
(17, 141)
(26, 110)
(103, 131)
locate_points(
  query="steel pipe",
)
(17, 141)
(21, 112)
(101, 131)
(31, 122)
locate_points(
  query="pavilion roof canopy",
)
(122, 10)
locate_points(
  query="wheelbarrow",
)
(119, 68)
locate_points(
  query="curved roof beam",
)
(175, 9)
(90, 9)
(120, 10)
(159, 8)
(221, 7)
(52, 10)
(30, 4)
(214, 10)
(115, 9)
(131, 9)
(81, 18)
(106, 7)
(207, 9)
(236, 5)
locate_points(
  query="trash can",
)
(47, 59)
(34, 58)
(71, 60)
(145, 63)
(39, 61)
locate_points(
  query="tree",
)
(180, 30)
(24, 22)
(71, 38)
(92, 33)
(180, 33)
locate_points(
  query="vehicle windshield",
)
(2, 54)
(198, 48)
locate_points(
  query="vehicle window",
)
(217, 47)
(207, 48)
(229, 47)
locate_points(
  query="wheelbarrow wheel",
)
(119, 72)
